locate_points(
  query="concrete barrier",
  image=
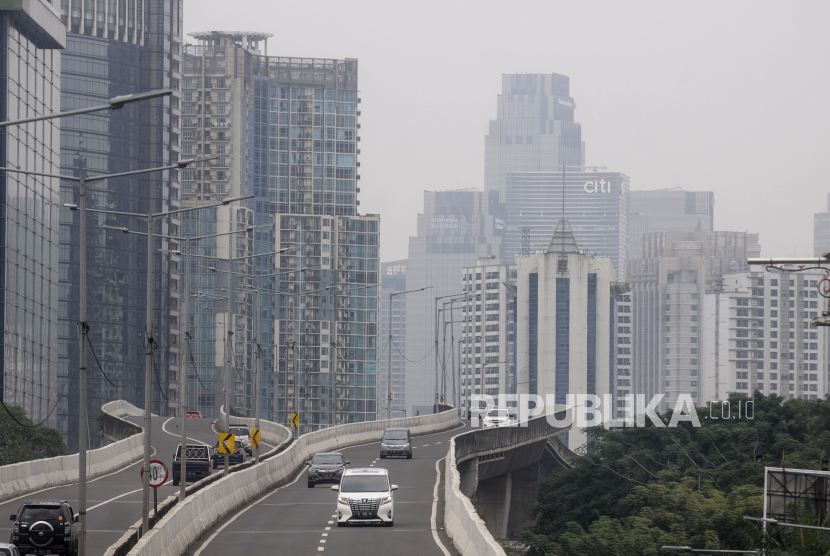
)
(26, 477)
(188, 520)
(468, 532)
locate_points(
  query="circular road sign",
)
(158, 473)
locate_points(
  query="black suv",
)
(326, 468)
(45, 527)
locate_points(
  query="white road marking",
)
(323, 541)
(435, 510)
(438, 443)
(321, 548)
(245, 509)
(330, 522)
(326, 534)
(164, 428)
(426, 444)
(114, 498)
(328, 528)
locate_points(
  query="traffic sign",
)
(295, 420)
(255, 438)
(226, 443)
(158, 473)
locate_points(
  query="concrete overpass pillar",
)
(469, 477)
(493, 503)
(524, 495)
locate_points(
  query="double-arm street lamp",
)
(114, 103)
(150, 218)
(389, 348)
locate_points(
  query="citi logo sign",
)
(600, 185)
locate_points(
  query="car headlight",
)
(382, 445)
(386, 500)
(342, 500)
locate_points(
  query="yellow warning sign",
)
(255, 438)
(295, 420)
(226, 443)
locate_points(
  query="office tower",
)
(821, 231)
(759, 336)
(455, 229)
(286, 131)
(487, 347)
(668, 285)
(565, 330)
(392, 279)
(116, 48)
(534, 130)
(32, 39)
(596, 207)
(668, 209)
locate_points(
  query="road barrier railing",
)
(23, 478)
(187, 521)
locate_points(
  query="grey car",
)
(396, 442)
(8, 549)
(326, 467)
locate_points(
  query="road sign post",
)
(255, 438)
(295, 420)
(227, 442)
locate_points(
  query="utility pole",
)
(148, 373)
(83, 331)
(389, 348)
(229, 349)
(256, 366)
(183, 370)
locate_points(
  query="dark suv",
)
(45, 527)
(396, 442)
(326, 468)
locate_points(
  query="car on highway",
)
(396, 442)
(497, 417)
(238, 455)
(365, 496)
(7, 549)
(326, 467)
(242, 432)
(45, 527)
(195, 414)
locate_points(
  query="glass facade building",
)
(668, 209)
(596, 206)
(31, 39)
(454, 231)
(534, 130)
(286, 130)
(116, 48)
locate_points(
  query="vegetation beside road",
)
(636, 489)
(28, 442)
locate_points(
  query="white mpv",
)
(365, 496)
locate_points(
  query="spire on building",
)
(563, 240)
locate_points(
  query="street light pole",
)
(148, 378)
(389, 349)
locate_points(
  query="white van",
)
(242, 432)
(497, 417)
(365, 496)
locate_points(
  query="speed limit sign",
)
(158, 473)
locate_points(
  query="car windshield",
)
(498, 413)
(239, 431)
(38, 514)
(364, 483)
(326, 459)
(394, 435)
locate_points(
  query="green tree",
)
(26, 443)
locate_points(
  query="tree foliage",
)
(19, 443)
(634, 490)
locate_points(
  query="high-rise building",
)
(821, 231)
(668, 209)
(32, 38)
(116, 48)
(488, 333)
(668, 285)
(534, 130)
(596, 206)
(565, 329)
(392, 279)
(286, 130)
(455, 229)
(759, 336)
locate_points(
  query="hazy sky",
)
(727, 96)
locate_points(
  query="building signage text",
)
(601, 185)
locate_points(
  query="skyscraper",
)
(32, 39)
(596, 208)
(455, 229)
(821, 231)
(668, 285)
(393, 279)
(565, 328)
(668, 209)
(534, 130)
(287, 132)
(116, 48)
